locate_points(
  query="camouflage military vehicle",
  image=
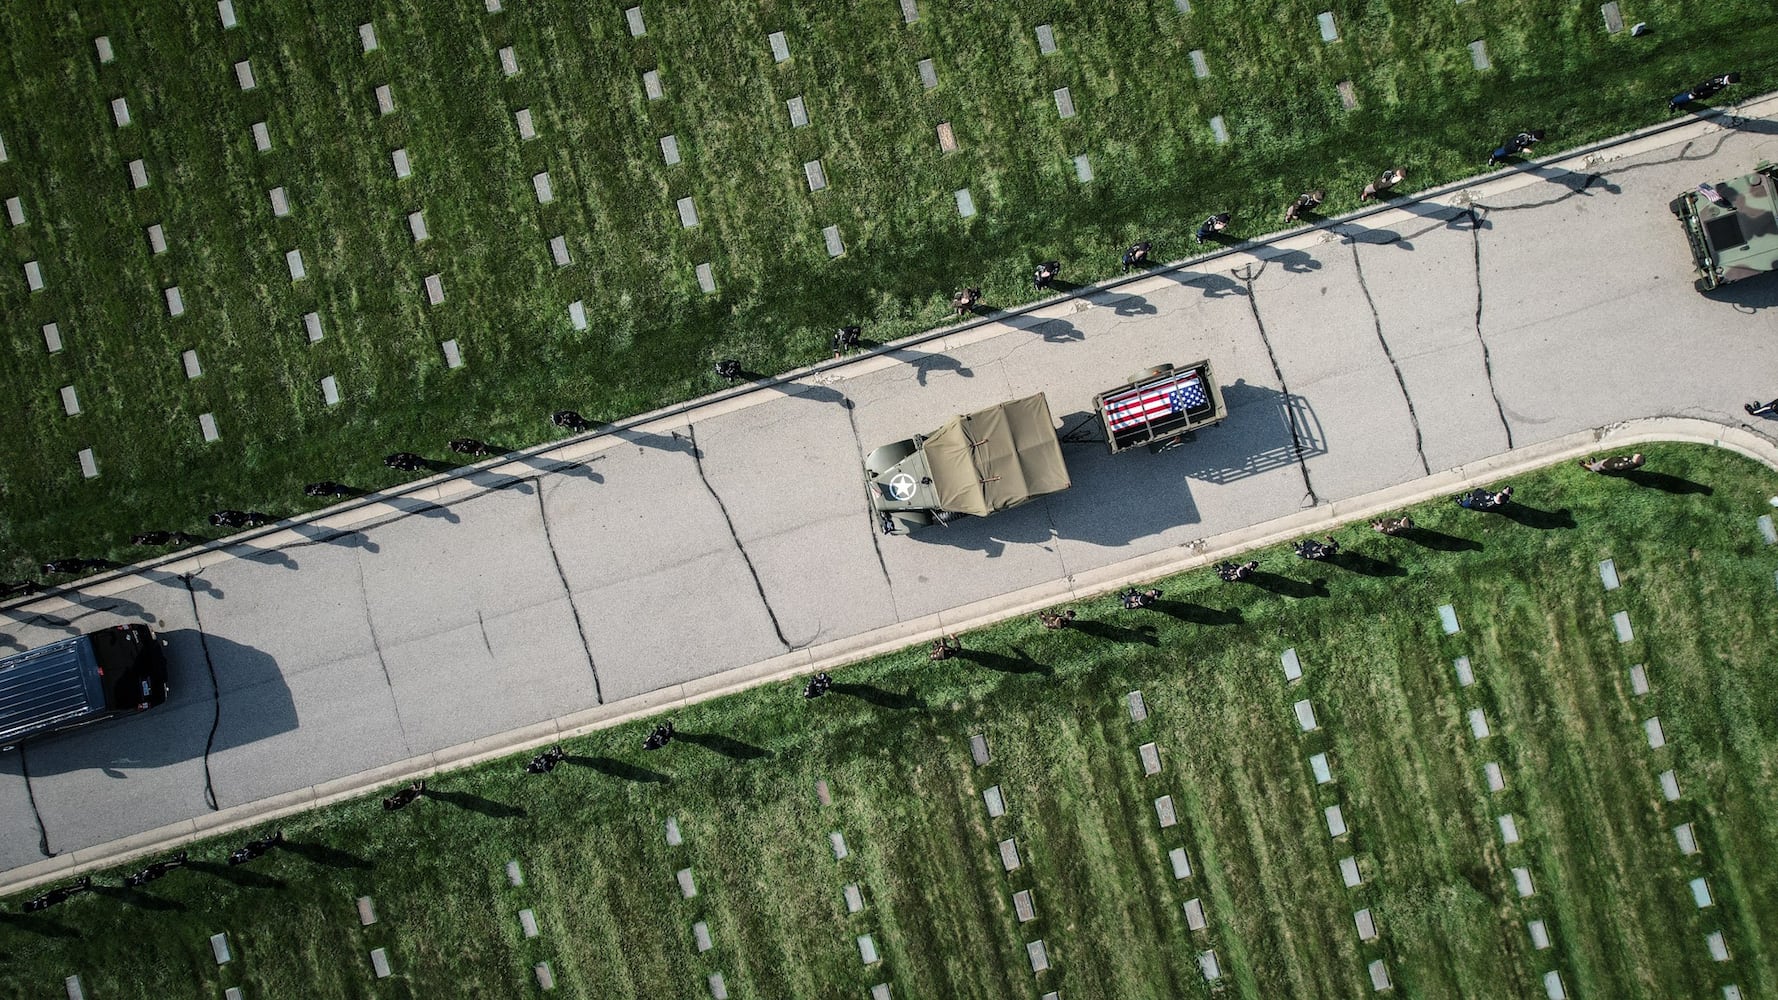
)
(1731, 226)
(977, 463)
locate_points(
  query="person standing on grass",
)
(1233, 572)
(328, 488)
(1386, 180)
(400, 799)
(660, 737)
(404, 461)
(1137, 255)
(1393, 525)
(1613, 464)
(471, 446)
(571, 420)
(847, 339)
(965, 301)
(1702, 92)
(163, 538)
(1212, 226)
(817, 686)
(1055, 619)
(1046, 273)
(1308, 201)
(945, 647)
(729, 370)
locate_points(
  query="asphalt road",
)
(1361, 356)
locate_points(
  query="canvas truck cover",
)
(996, 458)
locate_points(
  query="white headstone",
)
(1064, 103)
(226, 10)
(700, 935)
(1509, 829)
(1039, 956)
(15, 211)
(910, 11)
(385, 99)
(1731, 992)
(293, 259)
(1614, 18)
(453, 355)
(1447, 617)
(706, 278)
(780, 47)
(1621, 622)
(157, 239)
(1083, 168)
(219, 948)
(1496, 780)
(207, 425)
(688, 212)
(1046, 39)
(1293, 667)
(1367, 925)
(233, 993)
(718, 989)
(528, 923)
(262, 137)
(577, 314)
(1219, 129)
(965, 203)
(1478, 724)
(312, 326)
(1669, 786)
(244, 74)
(72, 985)
(1151, 758)
(1686, 835)
(1318, 764)
(379, 962)
(70, 402)
(367, 37)
(1478, 54)
(1608, 574)
(1009, 854)
(367, 911)
(831, 235)
(837, 841)
(1552, 986)
(1329, 32)
(651, 84)
(928, 74)
(1657, 737)
(175, 302)
(416, 226)
(1540, 935)
(687, 887)
(1522, 883)
(1336, 821)
(88, 466)
(1137, 706)
(509, 61)
(33, 276)
(138, 174)
(3, 156)
(558, 250)
(1209, 966)
(1379, 976)
(1163, 810)
(120, 111)
(402, 168)
(1348, 94)
(1194, 914)
(1639, 680)
(854, 898)
(190, 360)
(545, 191)
(514, 876)
(1349, 873)
(867, 950)
(1023, 907)
(330, 390)
(434, 289)
(527, 130)
(103, 45)
(52, 337)
(799, 112)
(815, 175)
(670, 149)
(1182, 866)
(1305, 716)
(280, 202)
(1465, 674)
(1200, 68)
(634, 16)
(1719, 949)
(995, 800)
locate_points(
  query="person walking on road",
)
(1386, 180)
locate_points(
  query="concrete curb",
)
(890, 638)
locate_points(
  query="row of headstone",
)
(1024, 902)
(1177, 858)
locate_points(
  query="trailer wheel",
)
(1677, 207)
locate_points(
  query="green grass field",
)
(891, 741)
(1142, 121)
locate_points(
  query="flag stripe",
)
(1136, 407)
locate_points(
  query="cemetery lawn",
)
(652, 334)
(892, 743)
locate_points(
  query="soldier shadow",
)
(727, 746)
(1356, 562)
(329, 857)
(237, 875)
(137, 899)
(488, 479)
(1140, 635)
(42, 926)
(248, 552)
(622, 770)
(92, 604)
(1053, 331)
(315, 534)
(471, 802)
(1439, 541)
(881, 697)
(1459, 218)
(1352, 233)
(409, 505)
(1542, 520)
(1019, 663)
(925, 364)
(672, 441)
(1199, 614)
(39, 619)
(1285, 586)
(563, 467)
(192, 582)
(1125, 305)
(1213, 286)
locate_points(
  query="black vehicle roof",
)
(48, 685)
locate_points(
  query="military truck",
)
(976, 464)
(1162, 407)
(1731, 226)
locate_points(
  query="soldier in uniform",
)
(1393, 525)
(1054, 620)
(1212, 226)
(400, 799)
(1045, 274)
(570, 420)
(964, 302)
(1137, 255)
(1233, 572)
(1308, 201)
(1386, 180)
(1703, 91)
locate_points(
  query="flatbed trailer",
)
(1161, 407)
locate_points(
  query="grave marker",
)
(1305, 716)
(1039, 956)
(1465, 675)
(52, 337)
(509, 61)
(434, 289)
(207, 426)
(528, 923)
(367, 911)
(1719, 950)
(1670, 786)
(1638, 680)
(1183, 6)
(1182, 866)
(634, 16)
(1046, 39)
(280, 202)
(70, 402)
(120, 111)
(706, 278)
(1209, 966)
(541, 186)
(651, 85)
(816, 176)
(546, 980)
(33, 276)
(103, 45)
(1318, 764)
(190, 360)
(514, 877)
(89, 467)
(15, 211)
(1478, 54)
(1731, 992)
(1293, 667)
(947, 138)
(385, 100)
(1200, 68)
(1614, 19)
(219, 948)
(416, 226)
(1509, 829)
(1608, 574)
(452, 353)
(688, 213)
(72, 985)
(1194, 914)
(1219, 129)
(232, 993)
(367, 37)
(1522, 883)
(1447, 617)
(1083, 168)
(881, 992)
(965, 203)
(226, 10)
(330, 390)
(1023, 906)
(670, 149)
(674, 839)
(1540, 935)
(799, 112)
(928, 74)
(996, 803)
(1336, 821)
(577, 316)
(718, 988)
(1009, 855)
(700, 935)
(312, 326)
(1329, 32)
(293, 259)
(1496, 780)
(831, 235)
(854, 898)
(3, 156)
(1138, 707)
(175, 302)
(157, 239)
(244, 74)
(1478, 724)
(780, 48)
(1367, 927)
(138, 174)
(1348, 95)
(402, 168)
(527, 130)
(262, 137)
(1657, 737)
(1379, 976)
(558, 250)
(910, 11)
(1064, 103)
(1163, 810)
(687, 886)
(1686, 836)
(1349, 873)
(1151, 758)
(1621, 622)
(837, 841)
(1552, 986)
